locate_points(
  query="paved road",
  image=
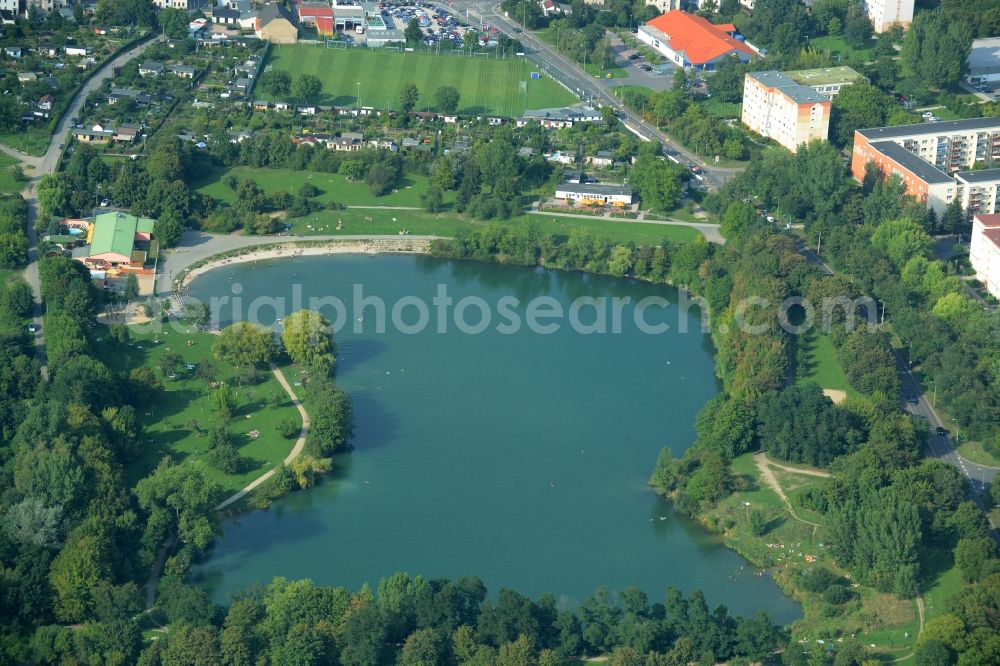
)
(589, 88)
(941, 446)
(36, 167)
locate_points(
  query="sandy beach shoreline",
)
(288, 250)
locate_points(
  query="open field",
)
(8, 183)
(816, 361)
(186, 400)
(333, 187)
(419, 222)
(377, 221)
(34, 142)
(486, 85)
(835, 45)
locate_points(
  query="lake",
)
(521, 458)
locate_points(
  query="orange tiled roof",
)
(700, 41)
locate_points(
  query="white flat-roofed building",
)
(886, 13)
(984, 251)
(621, 194)
(984, 60)
(979, 191)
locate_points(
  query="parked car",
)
(32, 328)
(913, 401)
(943, 432)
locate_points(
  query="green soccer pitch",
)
(486, 85)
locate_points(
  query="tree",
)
(412, 32)
(308, 340)
(932, 652)
(856, 106)
(976, 558)
(447, 98)
(667, 473)
(858, 28)
(433, 199)
(936, 48)
(173, 22)
(953, 220)
(900, 240)
(308, 87)
(332, 419)
(131, 288)
(277, 82)
(178, 499)
(757, 522)
(409, 96)
(16, 299)
(244, 344)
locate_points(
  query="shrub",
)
(288, 428)
(836, 594)
(818, 579)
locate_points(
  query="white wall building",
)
(9, 5)
(979, 191)
(886, 13)
(984, 60)
(595, 192)
(777, 107)
(984, 251)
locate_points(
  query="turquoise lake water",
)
(519, 458)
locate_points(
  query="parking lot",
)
(437, 23)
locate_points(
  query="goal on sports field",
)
(335, 44)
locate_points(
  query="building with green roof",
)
(118, 240)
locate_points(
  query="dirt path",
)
(794, 470)
(766, 475)
(300, 443)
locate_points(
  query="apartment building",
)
(979, 191)
(950, 146)
(45, 5)
(9, 6)
(984, 251)
(886, 13)
(777, 107)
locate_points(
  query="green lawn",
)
(714, 107)
(8, 183)
(418, 222)
(487, 85)
(836, 45)
(34, 142)
(975, 452)
(186, 399)
(816, 361)
(333, 187)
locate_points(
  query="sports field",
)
(486, 85)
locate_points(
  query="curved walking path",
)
(767, 475)
(300, 443)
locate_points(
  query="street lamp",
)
(357, 100)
